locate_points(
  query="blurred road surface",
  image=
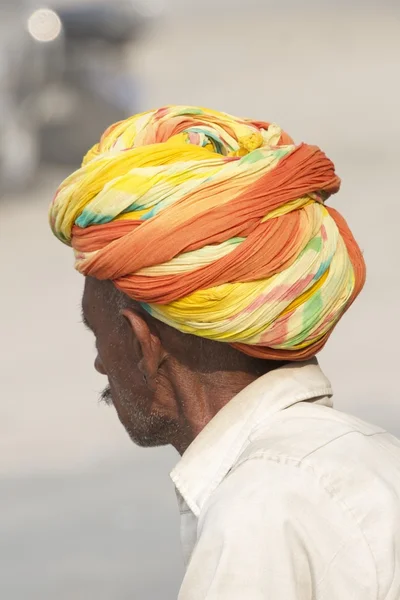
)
(83, 513)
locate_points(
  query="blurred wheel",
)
(66, 141)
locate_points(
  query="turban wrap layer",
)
(217, 226)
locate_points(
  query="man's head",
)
(215, 232)
(158, 378)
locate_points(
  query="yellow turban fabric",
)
(217, 226)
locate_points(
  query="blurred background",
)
(84, 514)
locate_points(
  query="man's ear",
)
(150, 347)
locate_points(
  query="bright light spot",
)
(44, 25)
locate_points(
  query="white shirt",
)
(282, 498)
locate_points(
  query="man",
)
(214, 274)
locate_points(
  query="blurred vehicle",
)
(22, 77)
(97, 86)
(64, 77)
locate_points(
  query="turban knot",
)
(217, 226)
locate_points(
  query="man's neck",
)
(200, 397)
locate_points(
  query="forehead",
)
(93, 298)
(89, 294)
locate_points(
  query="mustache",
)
(106, 396)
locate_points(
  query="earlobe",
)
(151, 351)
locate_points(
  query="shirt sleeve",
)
(271, 532)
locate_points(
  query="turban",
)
(217, 226)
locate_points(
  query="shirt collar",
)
(216, 449)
